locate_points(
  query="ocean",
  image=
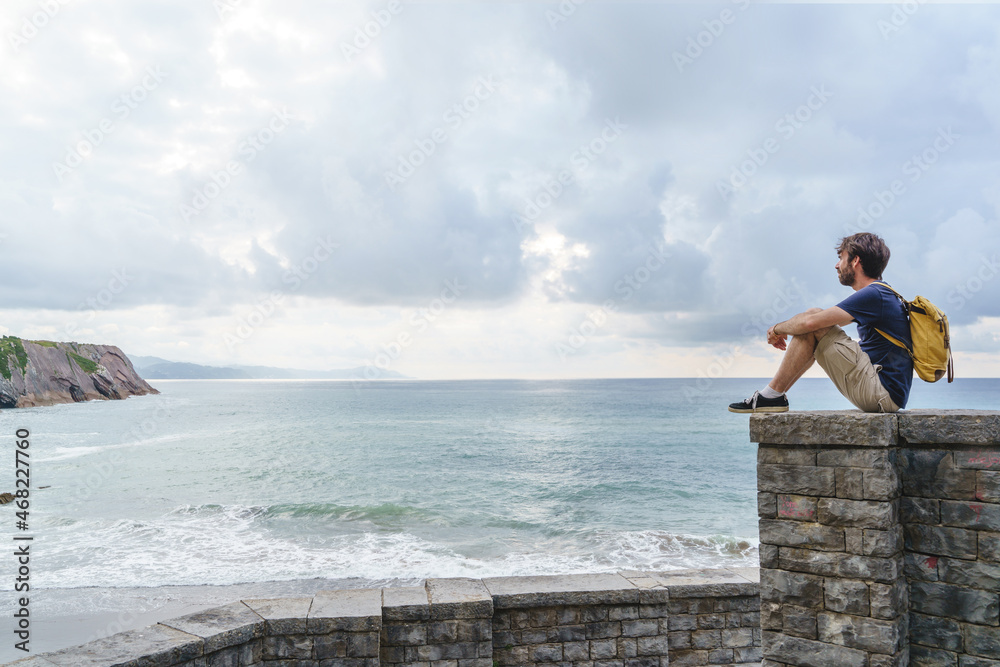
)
(378, 483)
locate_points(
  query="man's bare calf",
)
(800, 353)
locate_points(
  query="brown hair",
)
(872, 250)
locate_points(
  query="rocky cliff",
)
(40, 372)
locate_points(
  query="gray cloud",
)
(549, 93)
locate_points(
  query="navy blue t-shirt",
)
(875, 307)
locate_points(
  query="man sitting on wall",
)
(872, 373)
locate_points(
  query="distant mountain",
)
(155, 368)
(138, 362)
(173, 370)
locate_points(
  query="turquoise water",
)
(220, 482)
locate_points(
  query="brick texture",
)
(880, 553)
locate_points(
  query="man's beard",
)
(846, 276)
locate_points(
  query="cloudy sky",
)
(455, 190)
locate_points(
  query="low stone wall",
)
(445, 623)
(628, 619)
(634, 618)
(879, 538)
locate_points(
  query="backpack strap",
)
(896, 342)
(906, 304)
(906, 309)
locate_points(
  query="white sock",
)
(767, 392)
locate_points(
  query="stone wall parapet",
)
(864, 429)
(822, 427)
(625, 619)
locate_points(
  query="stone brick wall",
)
(831, 551)
(713, 623)
(333, 627)
(950, 512)
(879, 538)
(446, 623)
(628, 619)
(589, 621)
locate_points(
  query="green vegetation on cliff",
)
(85, 364)
(12, 345)
(44, 343)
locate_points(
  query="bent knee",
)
(818, 335)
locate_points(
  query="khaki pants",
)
(852, 372)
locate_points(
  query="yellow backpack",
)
(931, 351)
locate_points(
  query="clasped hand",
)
(775, 339)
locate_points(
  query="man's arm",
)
(812, 320)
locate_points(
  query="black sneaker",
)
(758, 403)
